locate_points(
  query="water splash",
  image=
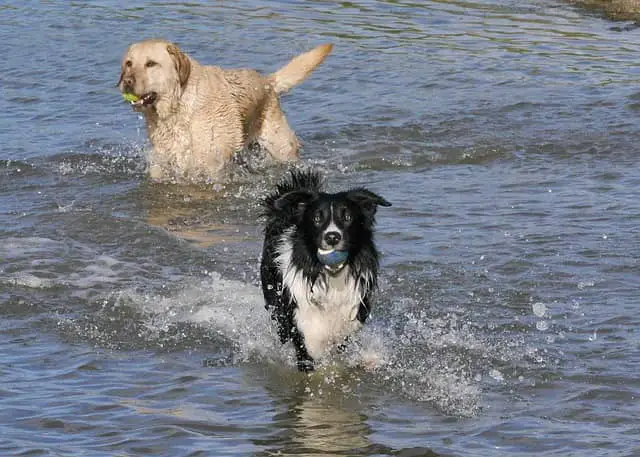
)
(41, 263)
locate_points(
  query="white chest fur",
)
(326, 314)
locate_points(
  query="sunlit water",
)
(505, 134)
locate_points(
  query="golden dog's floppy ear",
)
(183, 65)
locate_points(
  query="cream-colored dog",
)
(197, 116)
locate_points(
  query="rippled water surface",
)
(505, 133)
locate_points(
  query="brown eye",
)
(128, 64)
(317, 218)
(150, 63)
(345, 214)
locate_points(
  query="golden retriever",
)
(197, 116)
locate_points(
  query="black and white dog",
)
(319, 263)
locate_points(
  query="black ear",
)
(293, 203)
(367, 200)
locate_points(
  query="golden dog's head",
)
(155, 71)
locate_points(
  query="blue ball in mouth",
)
(332, 257)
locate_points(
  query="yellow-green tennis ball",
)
(130, 97)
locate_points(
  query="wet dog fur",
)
(314, 305)
(197, 116)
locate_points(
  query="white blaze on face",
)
(332, 227)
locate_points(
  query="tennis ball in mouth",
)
(130, 97)
(332, 257)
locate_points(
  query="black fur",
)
(297, 200)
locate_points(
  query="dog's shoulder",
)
(210, 84)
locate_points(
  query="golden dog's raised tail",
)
(299, 68)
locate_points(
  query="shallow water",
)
(503, 132)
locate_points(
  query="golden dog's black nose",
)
(128, 82)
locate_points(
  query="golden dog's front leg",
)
(159, 165)
(212, 146)
(155, 172)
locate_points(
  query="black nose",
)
(332, 238)
(128, 82)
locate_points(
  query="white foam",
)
(438, 358)
(105, 159)
(233, 309)
(29, 281)
(35, 263)
(15, 248)
(431, 360)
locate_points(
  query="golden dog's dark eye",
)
(150, 63)
(128, 64)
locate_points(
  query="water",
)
(503, 132)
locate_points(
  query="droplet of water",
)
(583, 284)
(495, 374)
(542, 325)
(539, 309)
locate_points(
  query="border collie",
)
(319, 263)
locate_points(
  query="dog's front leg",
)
(213, 142)
(304, 360)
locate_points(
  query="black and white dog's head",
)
(332, 230)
